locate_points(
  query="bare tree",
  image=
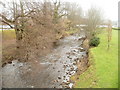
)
(37, 24)
(33, 26)
(94, 19)
(74, 13)
(109, 35)
(17, 20)
(58, 10)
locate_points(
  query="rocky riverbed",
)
(51, 71)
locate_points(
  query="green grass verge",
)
(8, 34)
(67, 33)
(7, 44)
(103, 71)
(71, 31)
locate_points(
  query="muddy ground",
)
(51, 71)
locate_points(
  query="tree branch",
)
(7, 23)
(65, 14)
(7, 20)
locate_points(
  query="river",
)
(51, 71)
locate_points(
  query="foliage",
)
(94, 19)
(95, 41)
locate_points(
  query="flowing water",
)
(51, 71)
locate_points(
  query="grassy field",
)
(8, 34)
(8, 45)
(103, 71)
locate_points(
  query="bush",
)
(95, 41)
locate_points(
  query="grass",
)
(8, 44)
(67, 33)
(103, 71)
(8, 34)
(71, 31)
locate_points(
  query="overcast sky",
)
(109, 7)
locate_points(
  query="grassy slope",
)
(103, 72)
(7, 44)
(72, 31)
(8, 34)
(67, 33)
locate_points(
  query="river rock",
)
(71, 85)
(72, 53)
(82, 38)
(81, 49)
(64, 76)
(66, 83)
(21, 64)
(65, 86)
(59, 77)
(74, 63)
(67, 73)
(68, 53)
(68, 56)
(32, 86)
(77, 78)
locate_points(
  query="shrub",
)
(95, 41)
